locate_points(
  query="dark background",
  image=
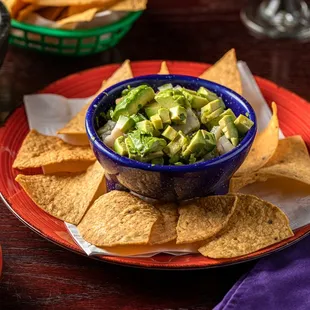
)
(40, 275)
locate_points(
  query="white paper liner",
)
(90, 249)
(48, 112)
(252, 93)
(291, 196)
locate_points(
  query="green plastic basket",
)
(70, 42)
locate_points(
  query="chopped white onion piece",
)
(217, 131)
(165, 86)
(177, 87)
(107, 128)
(110, 139)
(224, 145)
(192, 123)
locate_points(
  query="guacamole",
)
(172, 125)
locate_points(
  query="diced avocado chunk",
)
(196, 144)
(188, 94)
(169, 133)
(165, 86)
(164, 115)
(125, 123)
(138, 117)
(178, 115)
(170, 98)
(205, 117)
(157, 122)
(152, 108)
(210, 140)
(243, 124)
(156, 144)
(179, 164)
(217, 131)
(234, 141)
(192, 123)
(132, 152)
(144, 144)
(192, 159)
(212, 154)
(196, 102)
(189, 91)
(213, 106)
(228, 127)
(156, 133)
(109, 114)
(131, 103)
(153, 155)
(176, 145)
(120, 146)
(145, 126)
(228, 112)
(175, 158)
(126, 91)
(215, 121)
(202, 91)
(158, 161)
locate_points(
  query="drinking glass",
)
(278, 18)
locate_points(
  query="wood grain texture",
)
(40, 275)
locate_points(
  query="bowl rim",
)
(125, 161)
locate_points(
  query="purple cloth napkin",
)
(280, 281)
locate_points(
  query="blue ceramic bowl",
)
(168, 183)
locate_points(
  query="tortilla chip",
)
(264, 146)
(163, 68)
(75, 9)
(76, 127)
(68, 2)
(24, 13)
(293, 197)
(254, 225)
(129, 5)
(66, 197)
(14, 6)
(52, 153)
(164, 230)
(63, 14)
(202, 218)
(51, 13)
(85, 16)
(225, 72)
(118, 218)
(236, 183)
(122, 73)
(291, 160)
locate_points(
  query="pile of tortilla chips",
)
(69, 12)
(220, 226)
(72, 188)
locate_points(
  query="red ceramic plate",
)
(294, 115)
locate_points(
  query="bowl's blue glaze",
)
(169, 182)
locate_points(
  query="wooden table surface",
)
(40, 275)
